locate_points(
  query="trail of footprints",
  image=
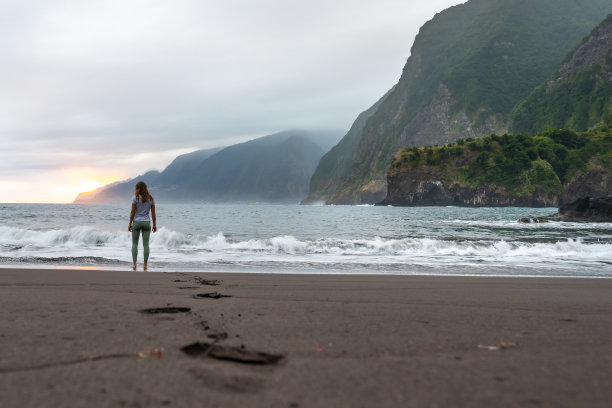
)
(212, 349)
(246, 381)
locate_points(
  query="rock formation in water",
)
(585, 209)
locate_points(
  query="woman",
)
(142, 203)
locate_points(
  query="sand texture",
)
(81, 338)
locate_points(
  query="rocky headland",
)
(545, 170)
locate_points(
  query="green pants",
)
(137, 227)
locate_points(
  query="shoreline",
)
(152, 269)
(82, 337)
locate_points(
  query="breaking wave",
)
(78, 236)
(91, 246)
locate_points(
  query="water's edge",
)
(320, 240)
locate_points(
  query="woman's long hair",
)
(142, 192)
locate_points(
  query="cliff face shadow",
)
(228, 353)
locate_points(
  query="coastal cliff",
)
(552, 169)
(469, 67)
(430, 189)
(546, 170)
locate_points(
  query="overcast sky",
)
(97, 91)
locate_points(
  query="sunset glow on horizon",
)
(83, 182)
(63, 185)
(57, 187)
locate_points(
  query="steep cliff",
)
(334, 168)
(579, 94)
(546, 170)
(469, 67)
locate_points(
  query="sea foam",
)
(86, 237)
(88, 245)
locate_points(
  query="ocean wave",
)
(78, 236)
(15, 240)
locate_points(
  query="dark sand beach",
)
(111, 339)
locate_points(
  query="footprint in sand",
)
(166, 310)
(212, 295)
(229, 353)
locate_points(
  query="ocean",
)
(308, 239)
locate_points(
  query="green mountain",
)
(576, 96)
(183, 165)
(554, 167)
(469, 67)
(275, 168)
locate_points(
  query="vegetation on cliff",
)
(519, 163)
(579, 94)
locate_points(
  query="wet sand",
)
(133, 339)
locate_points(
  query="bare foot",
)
(144, 266)
(134, 266)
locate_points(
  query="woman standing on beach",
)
(142, 204)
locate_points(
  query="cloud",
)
(97, 81)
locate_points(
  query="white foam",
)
(176, 247)
(77, 237)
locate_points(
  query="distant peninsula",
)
(272, 169)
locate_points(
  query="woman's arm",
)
(132, 214)
(154, 218)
